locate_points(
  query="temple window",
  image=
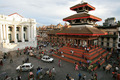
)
(119, 39)
(87, 20)
(84, 8)
(102, 39)
(108, 44)
(82, 20)
(113, 44)
(119, 45)
(119, 33)
(114, 33)
(77, 21)
(114, 39)
(73, 21)
(108, 39)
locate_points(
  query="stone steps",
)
(94, 56)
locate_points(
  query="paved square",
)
(61, 72)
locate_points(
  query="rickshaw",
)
(90, 68)
(30, 76)
(108, 67)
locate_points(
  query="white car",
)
(25, 67)
(47, 59)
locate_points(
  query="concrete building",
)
(42, 31)
(110, 22)
(111, 39)
(16, 32)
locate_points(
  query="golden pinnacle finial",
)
(82, 1)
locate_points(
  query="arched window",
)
(17, 28)
(25, 28)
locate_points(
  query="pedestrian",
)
(11, 60)
(18, 77)
(53, 71)
(20, 52)
(38, 68)
(50, 73)
(84, 77)
(59, 63)
(104, 67)
(95, 75)
(76, 67)
(1, 63)
(67, 77)
(80, 62)
(79, 75)
(6, 77)
(4, 57)
(92, 77)
(72, 52)
(83, 56)
(24, 51)
(20, 71)
(109, 70)
(27, 60)
(106, 59)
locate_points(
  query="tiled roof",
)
(82, 30)
(85, 31)
(81, 16)
(81, 5)
(52, 31)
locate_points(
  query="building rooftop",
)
(81, 16)
(85, 31)
(82, 5)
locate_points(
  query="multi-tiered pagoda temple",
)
(81, 31)
(80, 36)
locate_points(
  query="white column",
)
(31, 32)
(1, 33)
(7, 40)
(4, 36)
(22, 33)
(15, 38)
(28, 33)
(35, 31)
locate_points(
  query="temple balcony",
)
(81, 24)
(111, 36)
(80, 11)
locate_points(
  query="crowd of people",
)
(113, 70)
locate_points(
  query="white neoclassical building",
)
(16, 32)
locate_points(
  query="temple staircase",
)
(92, 55)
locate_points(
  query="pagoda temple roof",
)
(84, 31)
(82, 5)
(52, 31)
(81, 16)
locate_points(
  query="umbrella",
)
(38, 72)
